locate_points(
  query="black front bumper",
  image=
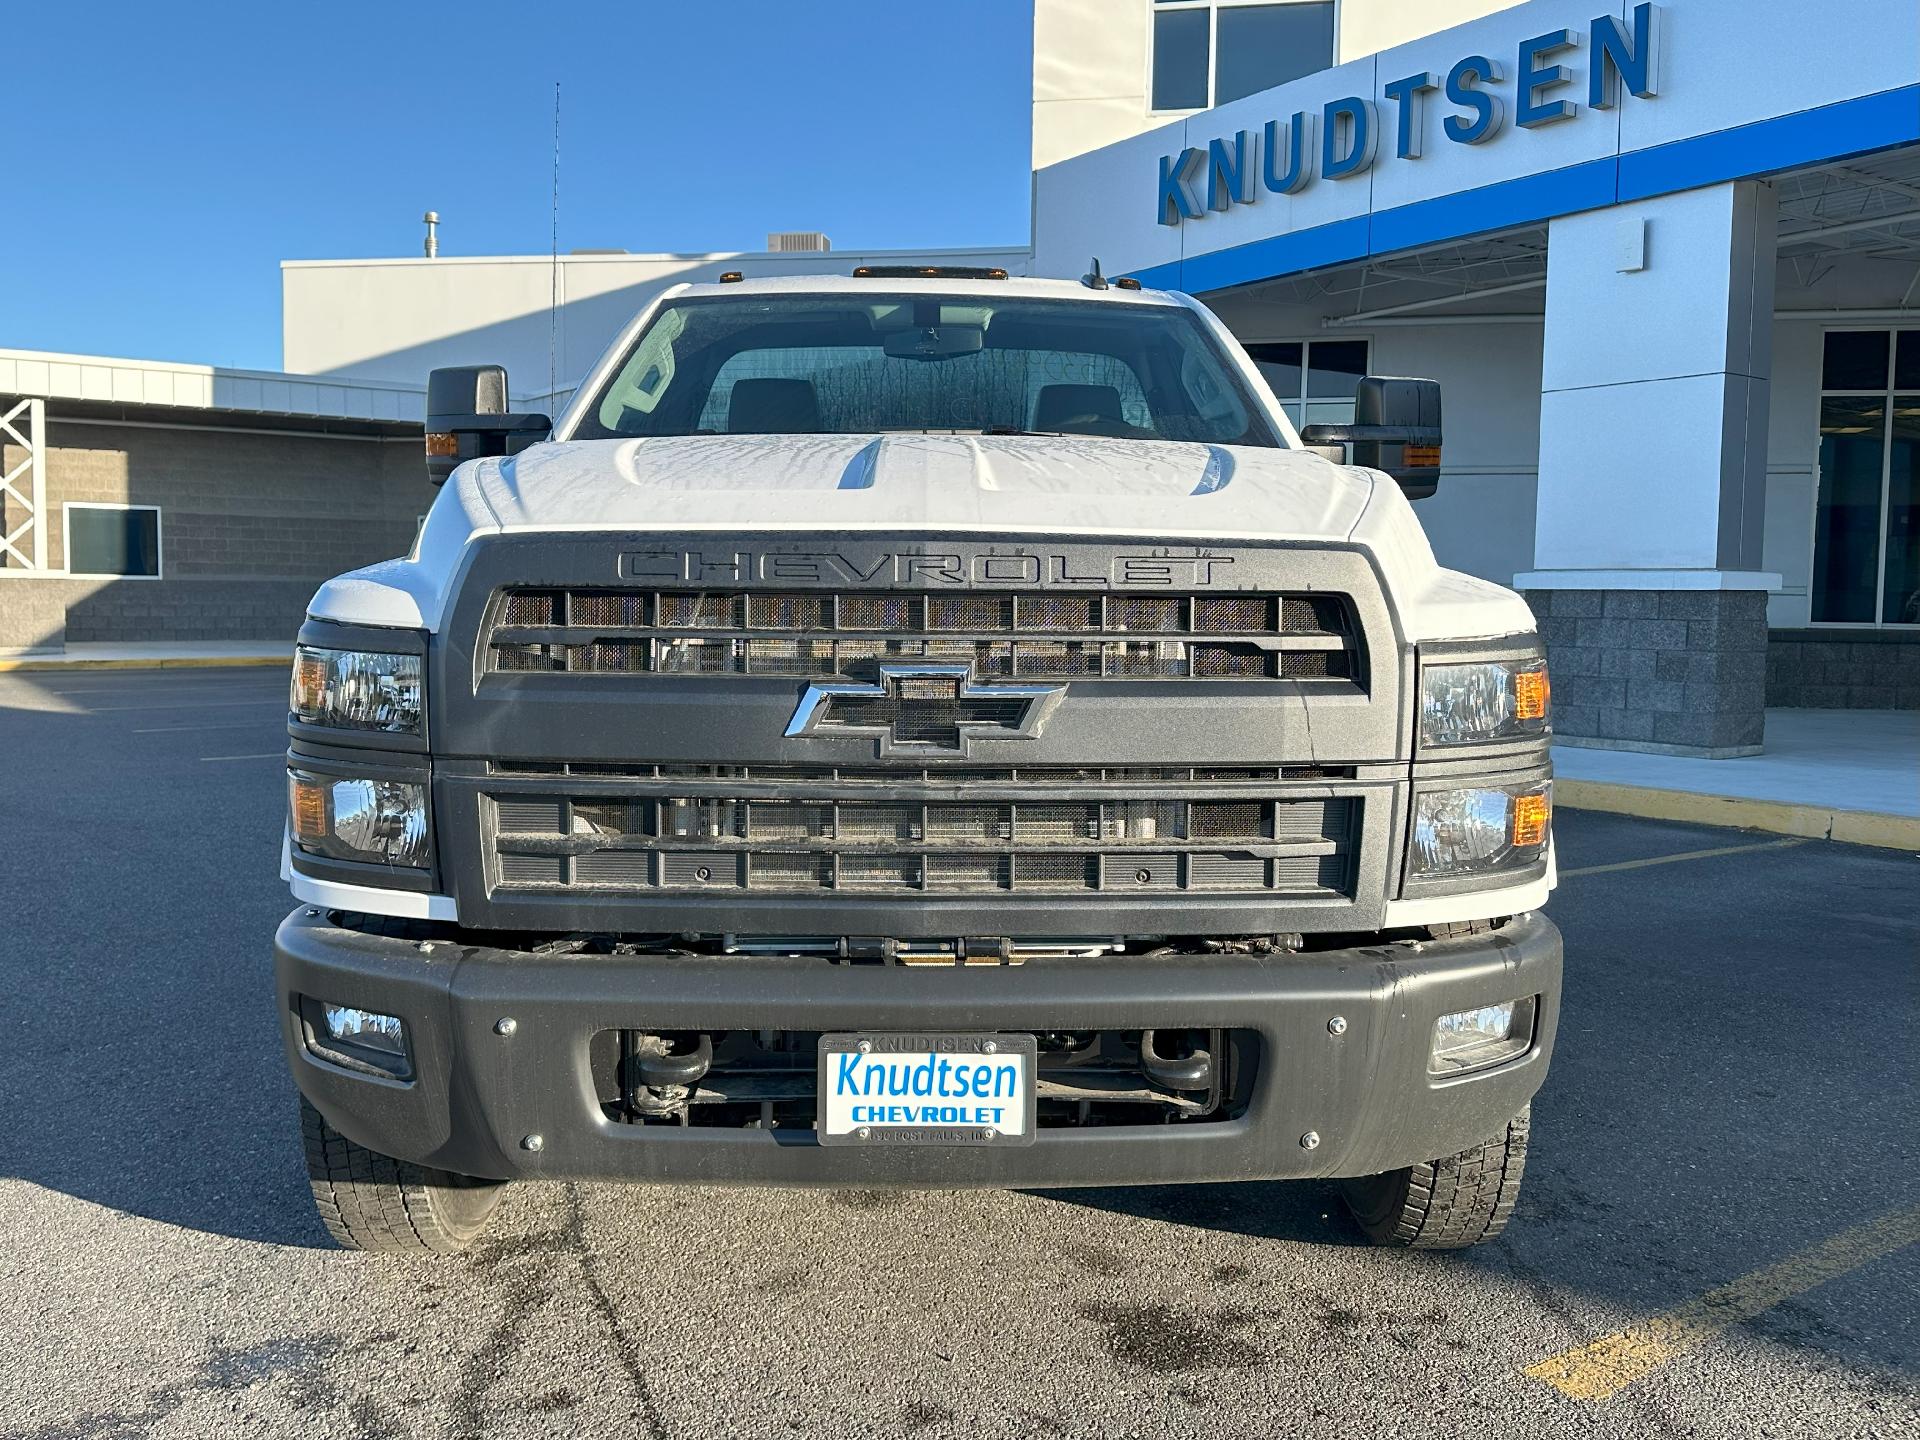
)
(476, 1095)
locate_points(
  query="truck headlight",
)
(381, 822)
(358, 690)
(1484, 700)
(1479, 829)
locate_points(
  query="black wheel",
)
(370, 1201)
(1445, 1204)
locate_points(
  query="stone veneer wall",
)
(1676, 671)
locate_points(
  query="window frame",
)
(1213, 9)
(1886, 395)
(67, 507)
(1288, 404)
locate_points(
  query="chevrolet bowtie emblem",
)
(917, 709)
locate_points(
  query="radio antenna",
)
(553, 277)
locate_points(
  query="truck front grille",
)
(793, 836)
(1074, 637)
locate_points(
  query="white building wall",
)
(1481, 520)
(1093, 63)
(1367, 26)
(1793, 469)
(397, 319)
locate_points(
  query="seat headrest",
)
(773, 407)
(1078, 409)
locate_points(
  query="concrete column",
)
(1653, 461)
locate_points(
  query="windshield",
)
(862, 364)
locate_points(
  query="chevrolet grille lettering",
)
(923, 570)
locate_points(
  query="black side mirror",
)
(1396, 428)
(467, 418)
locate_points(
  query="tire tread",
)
(372, 1202)
(1450, 1203)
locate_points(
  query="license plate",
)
(926, 1089)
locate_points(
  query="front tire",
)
(1446, 1204)
(372, 1202)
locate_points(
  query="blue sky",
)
(172, 155)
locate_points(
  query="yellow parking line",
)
(1610, 1364)
(1683, 855)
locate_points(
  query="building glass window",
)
(1207, 52)
(112, 539)
(1180, 59)
(1314, 380)
(1866, 528)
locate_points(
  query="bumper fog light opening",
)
(1479, 1039)
(366, 1027)
(370, 1041)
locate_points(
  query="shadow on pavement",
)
(147, 1077)
(1302, 1210)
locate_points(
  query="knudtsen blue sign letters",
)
(1285, 158)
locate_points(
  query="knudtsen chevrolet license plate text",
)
(926, 1089)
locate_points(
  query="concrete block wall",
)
(250, 524)
(1678, 670)
(1856, 670)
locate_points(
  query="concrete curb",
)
(1815, 822)
(144, 662)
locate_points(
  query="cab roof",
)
(1012, 287)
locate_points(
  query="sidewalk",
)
(1851, 775)
(151, 654)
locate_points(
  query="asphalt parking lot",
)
(1715, 1240)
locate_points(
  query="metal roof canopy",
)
(1864, 208)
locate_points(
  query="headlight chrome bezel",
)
(378, 821)
(1473, 702)
(359, 691)
(1478, 834)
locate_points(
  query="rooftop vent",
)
(792, 242)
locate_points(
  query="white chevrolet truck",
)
(927, 729)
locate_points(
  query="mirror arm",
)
(1376, 434)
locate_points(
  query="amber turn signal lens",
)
(309, 811)
(1530, 816)
(443, 446)
(309, 684)
(1531, 692)
(1421, 457)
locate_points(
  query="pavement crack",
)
(623, 1346)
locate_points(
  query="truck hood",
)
(924, 484)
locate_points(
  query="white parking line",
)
(279, 700)
(1683, 855)
(194, 729)
(265, 755)
(200, 687)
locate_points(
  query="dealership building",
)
(1664, 259)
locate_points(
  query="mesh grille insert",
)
(826, 842)
(1067, 635)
